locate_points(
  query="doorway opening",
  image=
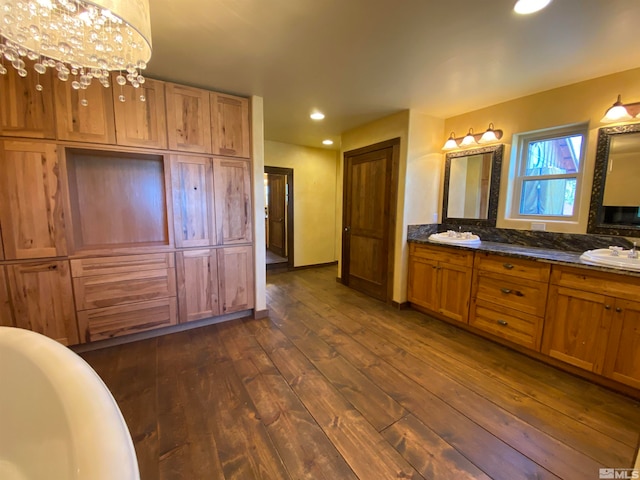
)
(278, 189)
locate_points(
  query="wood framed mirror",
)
(471, 186)
(615, 196)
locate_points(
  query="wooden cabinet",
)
(24, 111)
(198, 283)
(235, 278)
(31, 206)
(188, 119)
(622, 362)
(6, 316)
(125, 294)
(92, 123)
(509, 298)
(440, 280)
(230, 125)
(42, 299)
(193, 207)
(141, 123)
(232, 187)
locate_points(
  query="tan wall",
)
(577, 103)
(314, 177)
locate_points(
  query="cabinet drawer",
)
(451, 256)
(84, 267)
(517, 327)
(523, 295)
(103, 323)
(515, 267)
(611, 284)
(99, 291)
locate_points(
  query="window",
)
(548, 173)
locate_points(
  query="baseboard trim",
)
(316, 265)
(258, 314)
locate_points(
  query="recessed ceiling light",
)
(525, 7)
(317, 115)
(327, 142)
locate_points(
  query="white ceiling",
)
(358, 60)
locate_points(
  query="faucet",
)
(633, 253)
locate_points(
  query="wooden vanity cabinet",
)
(138, 123)
(93, 123)
(230, 125)
(42, 299)
(6, 315)
(235, 278)
(440, 280)
(24, 111)
(509, 298)
(31, 200)
(232, 187)
(188, 119)
(622, 361)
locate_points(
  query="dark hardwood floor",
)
(335, 385)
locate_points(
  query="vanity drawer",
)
(448, 255)
(611, 284)
(523, 295)
(109, 322)
(84, 267)
(516, 267)
(517, 327)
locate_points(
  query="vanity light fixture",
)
(317, 116)
(621, 112)
(473, 139)
(525, 7)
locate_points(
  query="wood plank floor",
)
(335, 385)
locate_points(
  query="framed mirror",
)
(615, 196)
(471, 186)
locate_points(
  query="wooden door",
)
(230, 125)
(31, 206)
(43, 299)
(232, 187)
(577, 327)
(368, 213)
(423, 282)
(623, 352)
(24, 111)
(193, 207)
(277, 213)
(138, 123)
(6, 316)
(188, 119)
(235, 278)
(92, 123)
(454, 288)
(197, 284)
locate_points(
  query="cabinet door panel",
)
(193, 209)
(623, 353)
(43, 299)
(230, 125)
(138, 123)
(197, 284)
(6, 316)
(232, 187)
(235, 276)
(91, 123)
(577, 327)
(422, 288)
(455, 290)
(188, 119)
(25, 112)
(31, 210)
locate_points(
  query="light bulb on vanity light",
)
(451, 142)
(469, 139)
(491, 135)
(617, 113)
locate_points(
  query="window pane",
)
(554, 156)
(548, 197)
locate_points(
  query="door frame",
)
(289, 173)
(393, 143)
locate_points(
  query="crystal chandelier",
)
(81, 40)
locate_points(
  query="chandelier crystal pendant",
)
(81, 40)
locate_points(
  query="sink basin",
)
(455, 238)
(604, 257)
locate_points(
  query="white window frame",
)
(522, 141)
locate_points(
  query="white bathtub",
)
(58, 420)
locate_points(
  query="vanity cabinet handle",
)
(504, 323)
(505, 291)
(618, 309)
(508, 266)
(607, 307)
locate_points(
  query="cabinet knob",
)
(504, 323)
(508, 266)
(607, 307)
(505, 291)
(618, 309)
